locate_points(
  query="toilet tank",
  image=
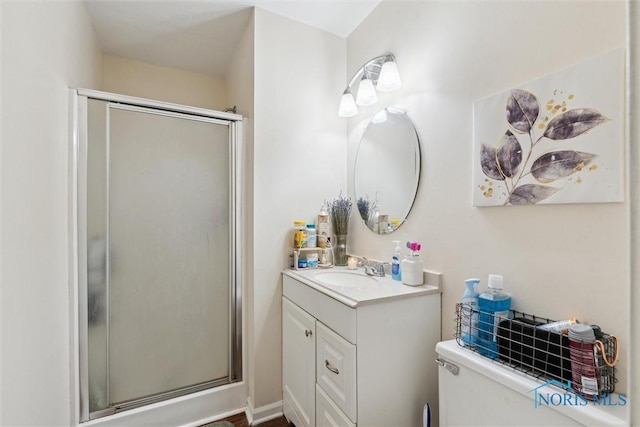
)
(474, 391)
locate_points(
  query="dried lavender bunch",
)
(363, 208)
(340, 213)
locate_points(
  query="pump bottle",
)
(395, 262)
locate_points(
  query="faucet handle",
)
(370, 270)
(380, 268)
(363, 262)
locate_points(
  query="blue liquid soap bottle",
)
(395, 262)
(494, 307)
(469, 313)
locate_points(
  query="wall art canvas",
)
(557, 139)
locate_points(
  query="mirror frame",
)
(380, 222)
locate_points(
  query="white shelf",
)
(298, 251)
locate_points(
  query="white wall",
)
(634, 159)
(447, 54)
(299, 160)
(135, 78)
(47, 47)
(240, 86)
(1, 316)
(558, 260)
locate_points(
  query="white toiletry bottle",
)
(395, 262)
(322, 226)
(311, 236)
(411, 268)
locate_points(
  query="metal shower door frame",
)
(78, 238)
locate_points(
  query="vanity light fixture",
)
(379, 73)
(366, 92)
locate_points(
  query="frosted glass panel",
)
(97, 309)
(169, 287)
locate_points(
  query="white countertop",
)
(372, 291)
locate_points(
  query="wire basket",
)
(517, 341)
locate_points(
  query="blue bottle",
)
(469, 313)
(395, 262)
(494, 307)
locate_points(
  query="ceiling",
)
(201, 35)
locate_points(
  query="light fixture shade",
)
(366, 93)
(389, 77)
(348, 107)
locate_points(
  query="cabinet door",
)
(298, 362)
(336, 369)
(327, 413)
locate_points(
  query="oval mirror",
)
(387, 170)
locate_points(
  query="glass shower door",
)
(159, 245)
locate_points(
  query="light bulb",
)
(366, 93)
(389, 77)
(348, 107)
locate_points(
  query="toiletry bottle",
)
(299, 234)
(312, 259)
(585, 375)
(383, 224)
(322, 226)
(469, 313)
(311, 236)
(412, 266)
(561, 326)
(494, 307)
(395, 262)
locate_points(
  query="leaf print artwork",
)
(530, 194)
(509, 155)
(553, 140)
(522, 110)
(573, 123)
(558, 164)
(505, 162)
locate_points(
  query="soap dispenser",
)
(395, 262)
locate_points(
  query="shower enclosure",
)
(159, 296)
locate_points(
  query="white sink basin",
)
(354, 287)
(345, 279)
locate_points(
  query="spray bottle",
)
(469, 313)
(412, 266)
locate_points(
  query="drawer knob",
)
(331, 368)
(308, 332)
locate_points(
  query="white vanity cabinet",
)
(367, 362)
(298, 349)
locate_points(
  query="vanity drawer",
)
(327, 413)
(332, 313)
(336, 369)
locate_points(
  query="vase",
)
(340, 257)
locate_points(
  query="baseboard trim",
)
(264, 413)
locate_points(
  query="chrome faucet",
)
(376, 270)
